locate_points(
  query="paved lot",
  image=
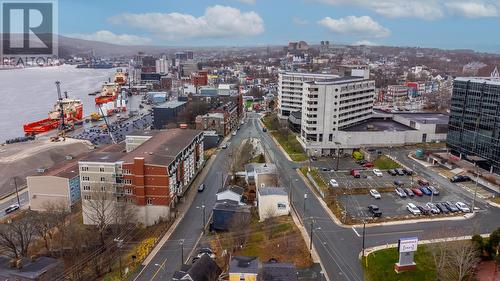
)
(391, 204)
(367, 180)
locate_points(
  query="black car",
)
(392, 172)
(375, 210)
(361, 162)
(264, 130)
(425, 210)
(12, 208)
(442, 207)
(459, 178)
(325, 169)
(400, 172)
(201, 187)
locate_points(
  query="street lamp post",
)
(475, 189)
(182, 251)
(202, 207)
(162, 266)
(17, 193)
(119, 243)
(305, 198)
(363, 246)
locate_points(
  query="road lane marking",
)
(394, 233)
(354, 229)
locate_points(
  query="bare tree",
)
(52, 220)
(455, 260)
(100, 210)
(16, 236)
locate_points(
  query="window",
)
(281, 205)
(330, 137)
(103, 179)
(103, 188)
(126, 171)
(87, 197)
(85, 169)
(101, 169)
(86, 188)
(149, 201)
(85, 178)
(126, 181)
(128, 191)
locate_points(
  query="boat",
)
(120, 77)
(73, 114)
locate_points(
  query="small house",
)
(272, 202)
(230, 192)
(278, 271)
(243, 269)
(261, 174)
(227, 213)
(203, 269)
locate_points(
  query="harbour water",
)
(27, 95)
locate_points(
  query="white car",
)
(334, 183)
(462, 207)
(375, 194)
(234, 133)
(413, 209)
(377, 172)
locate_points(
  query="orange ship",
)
(120, 77)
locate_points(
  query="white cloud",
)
(365, 43)
(473, 9)
(424, 9)
(299, 21)
(216, 22)
(110, 37)
(251, 2)
(363, 26)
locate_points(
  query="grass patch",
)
(495, 200)
(385, 163)
(270, 121)
(291, 145)
(316, 176)
(248, 104)
(258, 159)
(381, 266)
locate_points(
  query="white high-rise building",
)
(290, 89)
(162, 65)
(329, 106)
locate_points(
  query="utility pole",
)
(364, 225)
(475, 189)
(311, 238)
(305, 198)
(119, 244)
(17, 193)
(182, 251)
(202, 207)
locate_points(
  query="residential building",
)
(272, 202)
(243, 268)
(166, 113)
(199, 78)
(57, 188)
(278, 271)
(261, 174)
(474, 126)
(203, 269)
(396, 93)
(230, 192)
(332, 105)
(290, 87)
(134, 140)
(37, 269)
(216, 121)
(150, 177)
(228, 214)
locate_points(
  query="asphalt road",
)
(23, 199)
(338, 247)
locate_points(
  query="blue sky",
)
(426, 23)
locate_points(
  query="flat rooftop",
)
(339, 80)
(378, 125)
(104, 157)
(426, 118)
(171, 104)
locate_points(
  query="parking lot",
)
(367, 180)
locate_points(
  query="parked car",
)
(417, 191)
(409, 192)
(407, 171)
(451, 206)
(462, 207)
(398, 183)
(368, 165)
(400, 172)
(334, 183)
(201, 187)
(400, 192)
(375, 194)
(325, 169)
(314, 158)
(442, 208)
(423, 182)
(355, 173)
(12, 208)
(425, 190)
(234, 133)
(377, 172)
(434, 190)
(226, 145)
(425, 210)
(459, 178)
(433, 207)
(264, 130)
(392, 172)
(375, 210)
(361, 162)
(413, 209)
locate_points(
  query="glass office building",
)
(474, 126)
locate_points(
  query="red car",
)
(355, 173)
(368, 165)
(417, 191)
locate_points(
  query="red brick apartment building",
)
(150, 177)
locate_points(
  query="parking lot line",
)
(354, 229)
